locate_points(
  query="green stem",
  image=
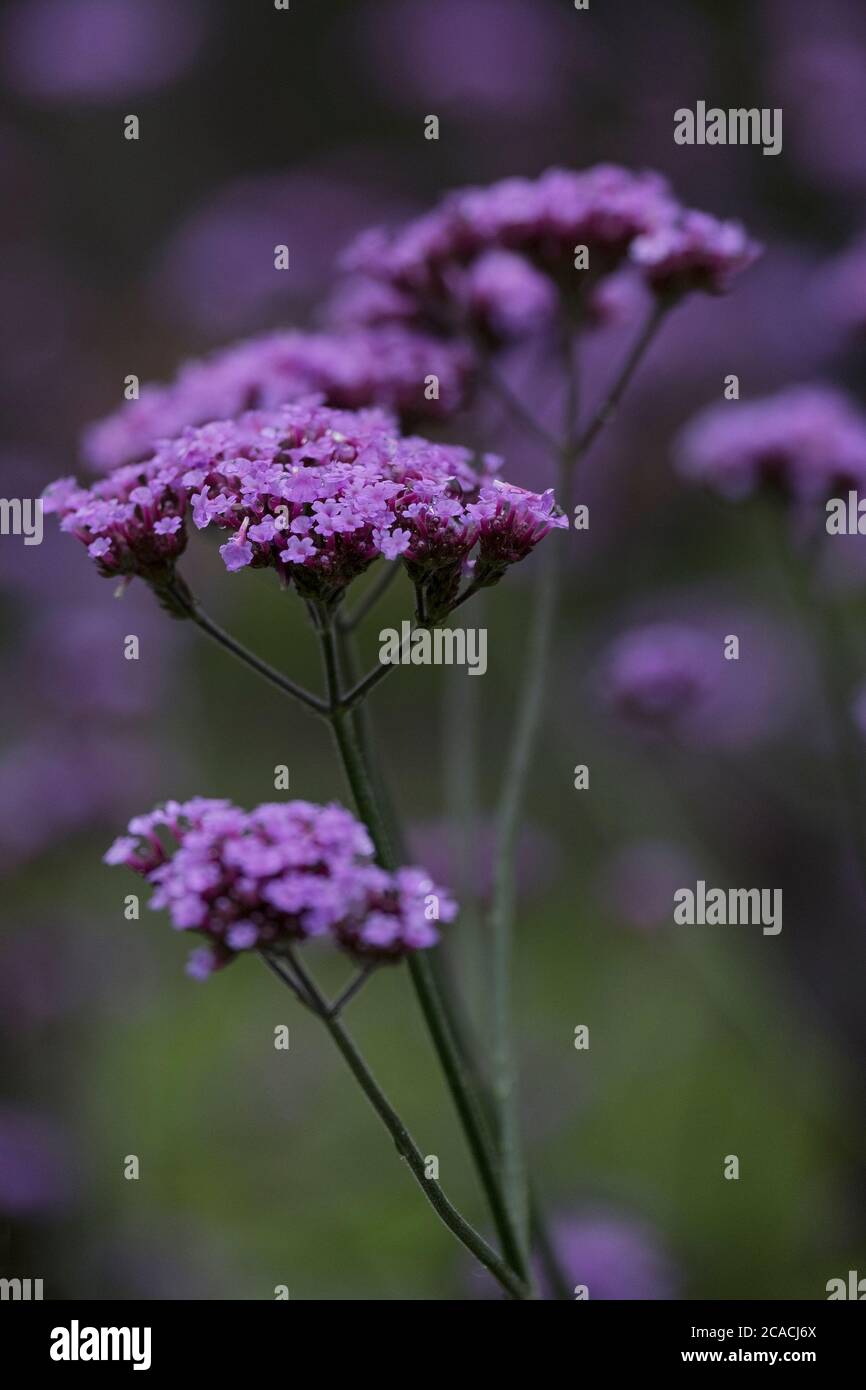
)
(501, 914)
(404, 1143)
(185, 604)
(436, 1014)
(513, 794)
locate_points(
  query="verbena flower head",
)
(490, 260)
(613, 1256)
(656, 675)
(284, 872)
(668, 677)
(806, 442)
(387, 367)
(133, 523)
(694, 252)
(316, 494)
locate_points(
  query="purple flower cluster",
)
(131, 522)
(388, 367)
(284, 872)
(315, 494)
(489, 259)
(807, 442)
(694, 252)
(656, 675)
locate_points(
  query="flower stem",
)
(457, 1074)
(512, 796)
(632, 360)
(404, 1143)
(189, 606)
(501, 913)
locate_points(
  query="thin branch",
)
(460, 1082)
(352, 988)
(193, 610)
(405, 1144)
(378, 673)
(506, 395)
(632, 360)
(287, 978)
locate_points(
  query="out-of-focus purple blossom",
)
(97, 50)
(613, 1257)
(386, 367)
(841, 288)
(656, 675)
(615, 300)
(697, 252)
(429, 267)
(217, 271)
(807, 442)
(670, 677)
(284, 872)
(505, 58)
(818, 76)
(638, 883)
(438, 844)
(315, 494)
(539, 220)
(53, 786)
(505, 297)
(36, 1164)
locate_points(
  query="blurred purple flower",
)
(52, 787)
(218, 270)
(656, 676)
(613, 1256)
(840, 288)
(808, 442)
(97, 50)
(386, 367)
(669, 678)
(818, 76)
(36, 1165)
(506, 58)
(526, 229)
(638, 882)
(696, 252)
(437, 844)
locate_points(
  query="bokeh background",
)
(261, 1167)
